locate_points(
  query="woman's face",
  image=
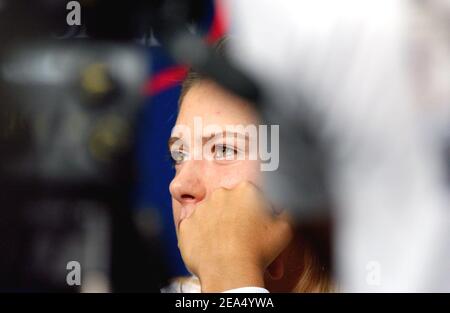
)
(200, 169)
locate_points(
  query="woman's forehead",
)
(214, 105)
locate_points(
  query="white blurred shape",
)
(353, 61)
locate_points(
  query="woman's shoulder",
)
(188, 284)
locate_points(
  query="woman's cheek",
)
(232, 176)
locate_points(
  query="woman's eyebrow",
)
(226, 134)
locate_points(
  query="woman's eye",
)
(178, 156)
(223, 152)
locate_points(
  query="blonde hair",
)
(315, 276)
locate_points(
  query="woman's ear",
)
(276, 268)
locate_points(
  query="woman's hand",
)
(231, 238)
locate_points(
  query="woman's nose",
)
(188, 187)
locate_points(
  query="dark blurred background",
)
(86, 111)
